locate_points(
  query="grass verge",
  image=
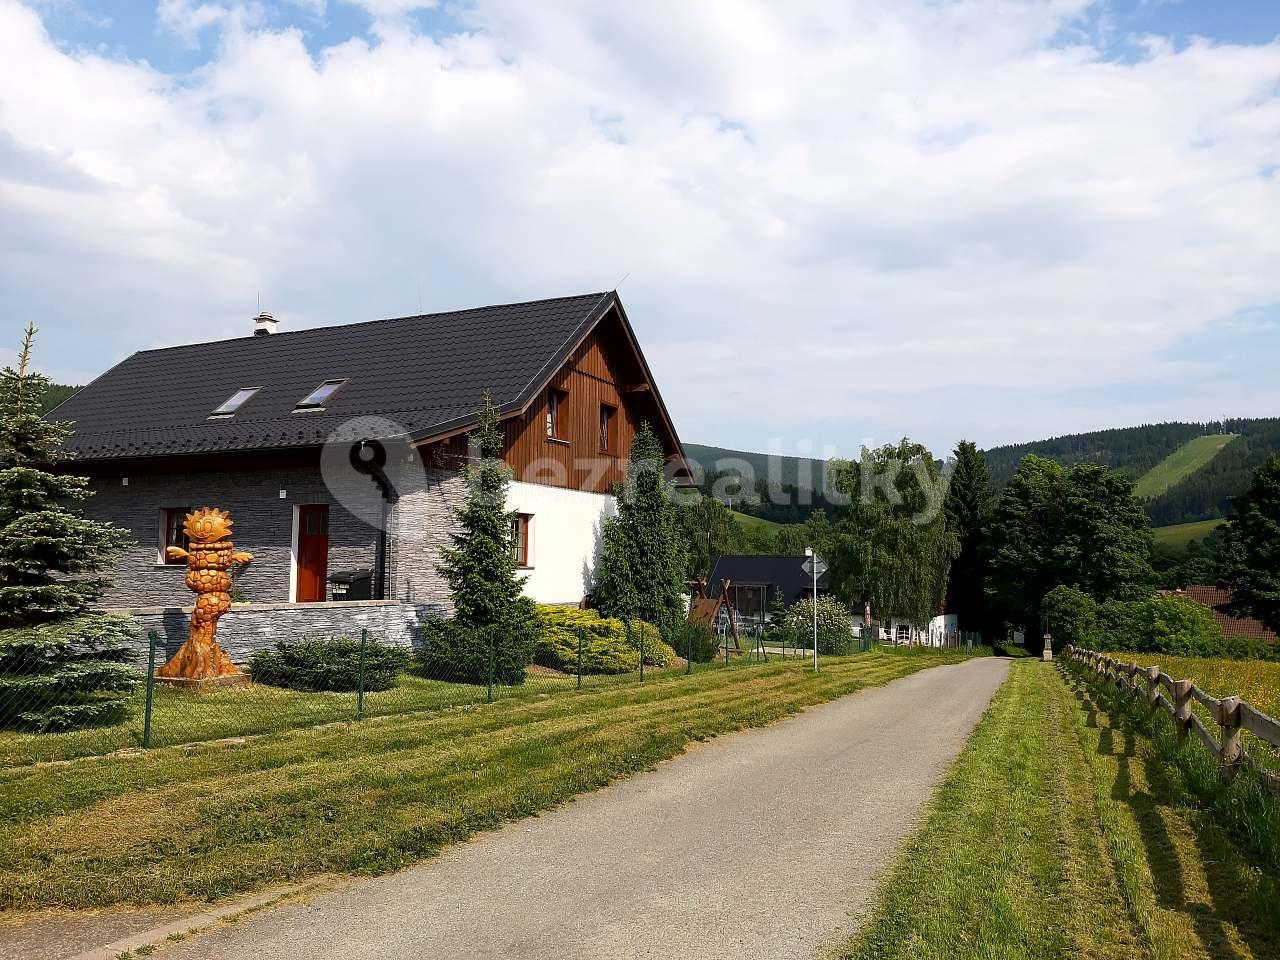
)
(212, 821)
(1060, 832)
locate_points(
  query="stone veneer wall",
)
(263, 526)
(254, 626)
(420, 525)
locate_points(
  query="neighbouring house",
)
(1215, 598)
(941, 631)
(338, 449)
(755, 581)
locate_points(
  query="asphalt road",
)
(759, 844)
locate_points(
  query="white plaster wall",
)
(564, 538)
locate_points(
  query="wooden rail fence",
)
(1232, 715)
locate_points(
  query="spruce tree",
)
(641, 570)
(970, 500)
(61, 665)
(1252, 548)
(492, 617)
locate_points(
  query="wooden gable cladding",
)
(602, 371)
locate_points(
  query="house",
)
(1215, 598)
(755, 581)
(339, 449)
(941, 631)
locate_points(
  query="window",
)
(556, 400)
(608, 428)
(234, 402)
(171, 533)
(520, 538)
(318, 396)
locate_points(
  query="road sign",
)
(814, 566)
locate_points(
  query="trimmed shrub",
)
(835, 631)
(328, 664)
(460, 654)
(606, 646)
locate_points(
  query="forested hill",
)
(1131, 450)
(54, 395)
(1203, 495)
(792, 471)
(1206, 493)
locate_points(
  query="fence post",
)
(579, 658)
(1153, 686)
(628, 623)
(151, 686)
(688, 648)
(1229, 719)
(364, 640)
(493, 649)
(1182, 707)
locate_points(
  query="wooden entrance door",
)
(313, 552)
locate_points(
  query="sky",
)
(832, 224)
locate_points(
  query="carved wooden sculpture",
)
(210, 555)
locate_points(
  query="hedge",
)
(1161, 623)
(606, 645)
(328, 664)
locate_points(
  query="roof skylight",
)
(234, 402)
(318, 396)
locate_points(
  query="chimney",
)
(264, 324)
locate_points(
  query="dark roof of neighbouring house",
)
(423, 374)
(1216, 597)
(786, 573)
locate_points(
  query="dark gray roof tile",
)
(425, 374)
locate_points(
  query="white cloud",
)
(845, 221)
(188, 19)
(393, 8)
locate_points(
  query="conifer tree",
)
(970, 500)
(61, 665)
(1252, 547)
(640, 573)
(492, 617)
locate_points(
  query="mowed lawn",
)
(211, 821)
(1059, 834)
(1182, 463)
(180, 718)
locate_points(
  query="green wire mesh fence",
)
(309, 681)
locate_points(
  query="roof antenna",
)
(622, 281)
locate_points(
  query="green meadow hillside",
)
(1187, 472)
